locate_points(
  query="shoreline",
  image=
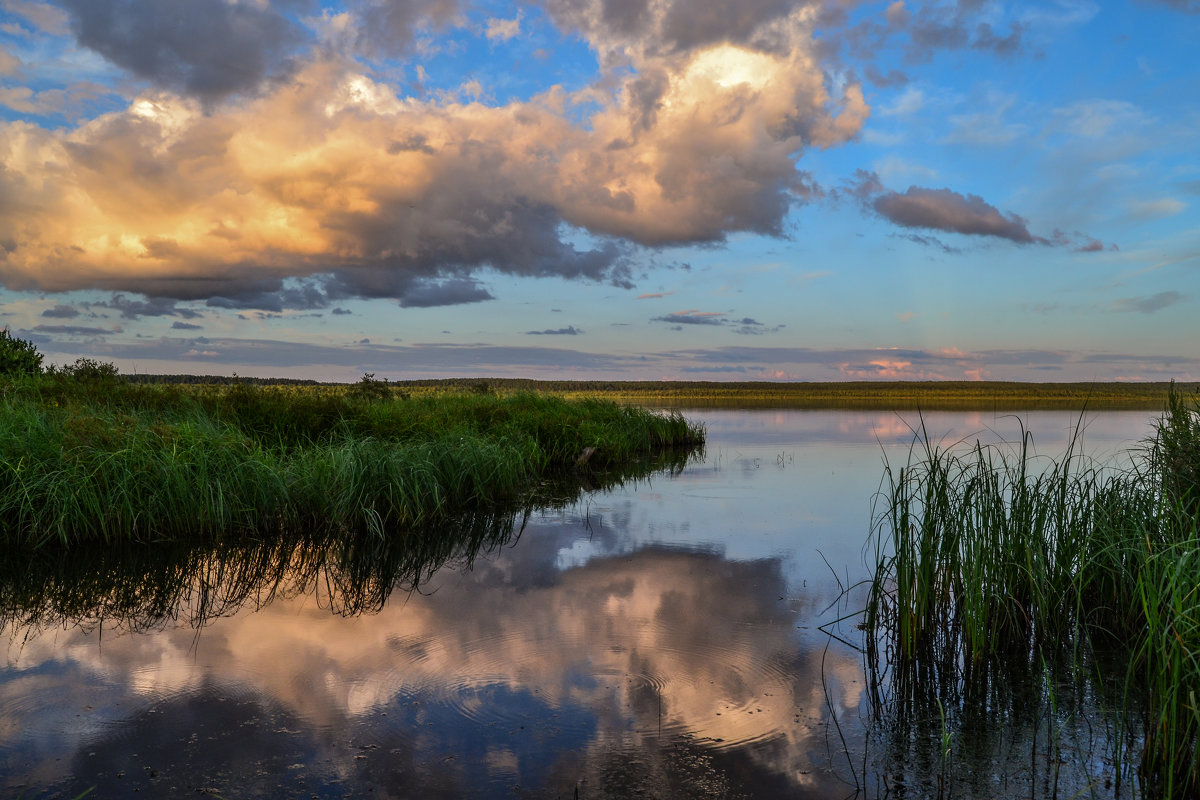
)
(861, 395)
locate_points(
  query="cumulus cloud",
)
(209, 49)
(334, 180)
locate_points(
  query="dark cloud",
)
(455, 291)
(748, 326)
(272, 295)
(209, 49)
(73, 330)
(570, 330)
(675, 25)
(151, 307)
(891, 79)
(946, 210)
(340, 312)
(185, 326)
(387, 28)
(61, 312)
(693, 317)
(1147, 305)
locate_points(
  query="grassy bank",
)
(994, 570)
(86, 455)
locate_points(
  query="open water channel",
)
(680, 636)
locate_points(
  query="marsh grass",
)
(134, 586)
(991, 563)
(98, 458)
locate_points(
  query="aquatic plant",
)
(993, 562)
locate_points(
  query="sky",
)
(802, 190)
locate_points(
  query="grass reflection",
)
(143, 587)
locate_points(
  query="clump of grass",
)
(85, 455)
(991, 562)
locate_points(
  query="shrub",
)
(18, 356)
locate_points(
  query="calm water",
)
(670, 638)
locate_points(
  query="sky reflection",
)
(663, 635)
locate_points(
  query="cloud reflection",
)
(514, 671)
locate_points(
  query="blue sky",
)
(609, 189)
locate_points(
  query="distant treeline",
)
(221, 380)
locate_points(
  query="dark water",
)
(676, 637)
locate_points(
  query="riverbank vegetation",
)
(1005, 586)
(88, 456)
(887, 395)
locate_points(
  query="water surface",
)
(678, 636)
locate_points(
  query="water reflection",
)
(659, 638)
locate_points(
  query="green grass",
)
(108, 460)
(991, 564)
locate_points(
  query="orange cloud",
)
(333, 174)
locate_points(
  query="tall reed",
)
(990, 562)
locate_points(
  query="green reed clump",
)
(992, 561)
(85, 455)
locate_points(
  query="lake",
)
(685, 635)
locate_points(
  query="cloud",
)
(570, 330)
(209, 49)
(61, 312)
(444, 293)
(9, 63)
(653, 295)
(154, 307)
(1147, 305)
(42, 16)
(339, 312)
(1156, 209)
(929, 241)
(1186, 6)
(387, 29)
(693, 317)
(73, 330)
(185, 326)
(501, 30)
(183, 197)
(748, 326)
(947, 210)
